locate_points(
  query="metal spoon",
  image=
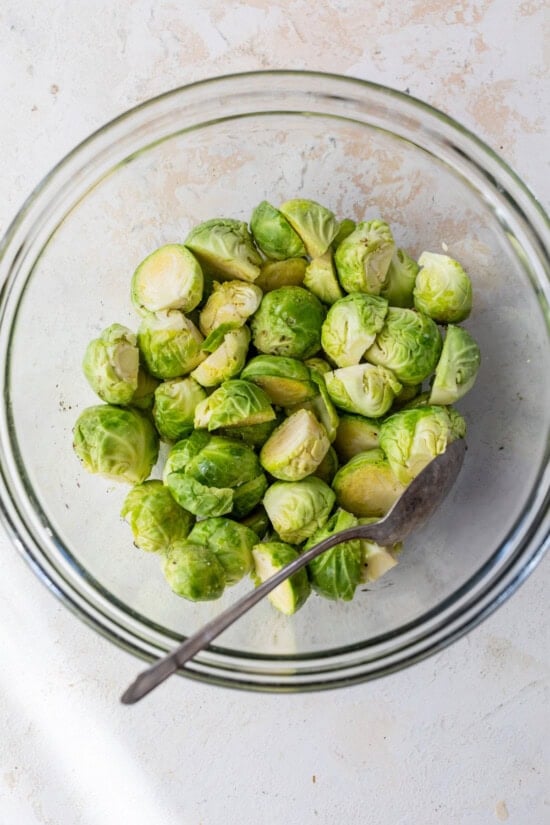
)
(412, 509)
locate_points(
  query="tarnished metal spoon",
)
(412, 509)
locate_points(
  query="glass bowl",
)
(217, 148)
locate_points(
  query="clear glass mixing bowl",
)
(217, 148)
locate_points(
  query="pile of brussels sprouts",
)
(297, 369)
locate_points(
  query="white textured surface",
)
(461, 738)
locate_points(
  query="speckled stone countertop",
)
(460, 738)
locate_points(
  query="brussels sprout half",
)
(236, 403)
(226, 361)
(409, 344)
(288, 322)
(269, 558)
(154, 517)
(297, 509)
(296, 447)
(457, 369)
(194, 572)
(273, 233)
(174, 408)
(229, 305)
(111, 365)
(225, 247)
(400, 280)
(231, 542)
(315, 224)
(320, 405)
(321, 280)
(366, 485)
(169, 278)
(351, 326)
(363, 389)
(170, 344)
(442, 289)
(355, 434)
(285, 380)
(277, 274)
(364, 257)
(336, 573)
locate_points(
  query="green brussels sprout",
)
(257, 521)
(254, 434)
(170, 344)
(366, 485)
(169, 278)
(111, 365)
(355, 434)
(336, 573)
(400, 280)
(155, 519)
(270, 557)
(174, 409)
(345, 228)
(229, 305)
(144, 396)
(363, 389)
(442, 289)
(376, 560)
(288, 322)
(320, 278)
(457, 369)
(409, 345)
(276, 274)
(296, 447)
(328, 467)
(285, 380)
(364, 257)
(194, 572)
(420, 400)
(226, 361)
(231, 542)
(273, 233)
(236, 403)
(117, 443)
(412, 438)
(318, 364)
(351, 327)
(407, 393)
(321, 406)
(248, 495)
(315, 224)
(297, 509)
(225, 249)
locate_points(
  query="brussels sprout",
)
(194, 572)
(412, 438)
(154, 517)
(229, 305)
(366, 485)
(248, 495)
(363, 389)
(321, 406)
(170, 344)
(364, 257)
(144, 396)
(345, 228)
(226, 361)
(420, 400)
(257, 521)
(351, 327)
(336, 573)
(273, 233)
(276, 274)
(409, 345)
(254, 434)
(288, 322)
(457, 369)
(355, 435)
(328, 467)
(174, 410)
(169, 278)
(296, 447)
(399, 284)
(235, 404)
(315, 224)
(407, 393)
(376, 560)
(297, 509)
(320, 278)
(269, 558)
(285, 380)
(319, 364)
(442, 289)
(226, 249)
(120, 444)
(231, 542)
(111, 365)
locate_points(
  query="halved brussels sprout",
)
(366, 485)
(296, 447)
(174, 410)
(355, 434)
(409, 345)
(400, 280)
(320, 278)
(363, 389)
(194, 572)
(154, 517)
(269, 558)
(276, 274)
(458, 366)
(236, 403)
(288, 322)
(442, 289)
(144, 396)
(273, 233)
(169, 278)
(254, 434)
(412, 438)
(315, 224)
(170, 344)
(257, 521)
(328, 467)
(117, 443)
(320, 405)
(111, 365)
(225, 248)
(285, 380)
(336, 573)
(345, 228)
(226, 361)
(376, 560)
(231, 542)
(318, 364)
(229, 305)
(297, 509)
(364, 257)
(351, 327)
